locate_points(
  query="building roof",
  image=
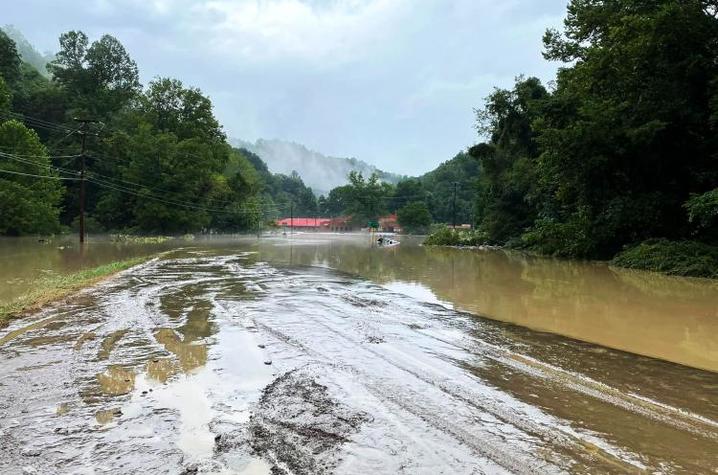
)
(303, 222)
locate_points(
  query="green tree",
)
(508, 201)
(186, 112)
(9, 59)
(627, 135)
(100, 77)
(405, 192)
(414, 217)
(338, 201)
(28, 204)
(368, 198)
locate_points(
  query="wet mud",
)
(217, 361)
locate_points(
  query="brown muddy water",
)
(323, 354)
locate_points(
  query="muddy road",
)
(215, 361)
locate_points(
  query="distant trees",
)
(282, 194)
(366, 198)
(414, 217)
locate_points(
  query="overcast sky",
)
(391, 82)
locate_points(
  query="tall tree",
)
(28, 203)
(100, 78)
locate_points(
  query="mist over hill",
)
(320, 172)
(28, 52)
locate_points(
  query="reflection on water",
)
(671, 318)
(116, 381)
(650, 314)
(24, 260)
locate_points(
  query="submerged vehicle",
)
(387, 242)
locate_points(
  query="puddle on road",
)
(108, 344)
(433, 380)
(116, 381)
(189, 355)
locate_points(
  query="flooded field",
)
(323, 354)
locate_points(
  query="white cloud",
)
(393, 82)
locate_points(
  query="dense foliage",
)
(157, 158)
(623, 148)
(687, 258)
(414, 217)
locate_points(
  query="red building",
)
(389, 224)
(305, 224)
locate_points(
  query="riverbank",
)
(677, 258)
(46, 290)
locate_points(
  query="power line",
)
(184, 204)
(17, 158)
(34, 122)
(38, 176)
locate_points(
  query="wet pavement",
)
(227, 361)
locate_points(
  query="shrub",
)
(685, 258)
(445, 236)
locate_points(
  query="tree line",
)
(157, 160)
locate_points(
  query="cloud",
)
(392, 82)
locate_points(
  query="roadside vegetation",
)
(49, 289)
(157, 160)
(621, 149)
(684, 258)
(446, 236)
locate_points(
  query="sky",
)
(391, 82)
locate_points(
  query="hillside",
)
(463, 170)
(318, 171)
(27, 51)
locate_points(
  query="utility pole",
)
(83, 133)
(291, 217)
(453, 207)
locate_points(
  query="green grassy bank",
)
(48, 289)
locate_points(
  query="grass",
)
(49, 289)
(130, 238)
(683, 258)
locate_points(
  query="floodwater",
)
(322, 354)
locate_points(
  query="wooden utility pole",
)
(453, 207)
(83, 134)
(291, 217)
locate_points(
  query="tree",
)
(414, 217)
(186, 112)
(28, 204)
(338, 201)
(368, 197)
(627, 135)
(9, 59)
(464, 170)
(101, 77)
(508, 201)
(407, 191)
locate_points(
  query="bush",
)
(572, 238)
(445, 236)
(685, 258)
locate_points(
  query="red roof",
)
(304, 222)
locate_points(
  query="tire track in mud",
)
(405, 400)
(663, 413)
(584, 445)
(402, 392)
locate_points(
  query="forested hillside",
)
(624, 146)
(156, 158)
(320, 172)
